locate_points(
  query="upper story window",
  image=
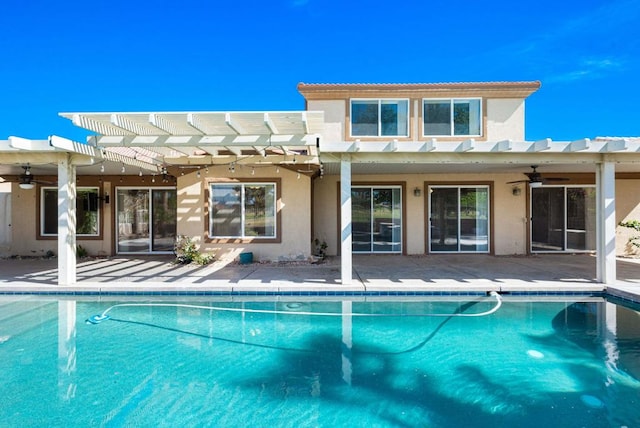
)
(452, 117)
(243, 210)
(380, 118)
(87, 213)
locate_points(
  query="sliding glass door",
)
(146, 220)
(459, 219)
(376, 219)
(563, 218)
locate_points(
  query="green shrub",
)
(187, 252)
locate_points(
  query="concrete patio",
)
(371, 273)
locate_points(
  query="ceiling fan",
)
(536, 179)
(27, 180)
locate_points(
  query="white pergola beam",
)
(233, 124)
(579, 145)
(465, 146)
(270, 125)
(541, 145)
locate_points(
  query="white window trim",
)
(243, 184)
(379, 100)
(42, 213)
(451, 102)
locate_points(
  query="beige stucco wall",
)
(509, 215)
(334, 117)
(505, 119)
(24, 228)
(627, 209)
(5, 219)
(294, 207)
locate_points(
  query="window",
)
(451, 117)
(87, 213)
(243, 210)
(376, 217)
(380, 118)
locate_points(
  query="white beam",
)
(578, 145)
(616, 145)
(162, 124)
(31, 145)
(606, 223)
(502, 146)
(305, 122)
(541, 145)
(66, 222)
(465, 146)
(194, 122)
(346, 256)
(273, 129)
(429, 146)
(231, 123)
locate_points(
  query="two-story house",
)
(413, 169)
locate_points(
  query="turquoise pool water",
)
(529, 364)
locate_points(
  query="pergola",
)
(158, 141)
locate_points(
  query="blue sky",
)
(117, 55)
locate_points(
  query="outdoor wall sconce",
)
(417, 192)
(515, 191)
(104, 198)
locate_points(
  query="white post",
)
(66, 222)
(346, 266)
(606, 223)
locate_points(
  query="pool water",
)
(547, 363)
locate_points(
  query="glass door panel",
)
(361, 219)
(164, 213)
(133, 220)
(387, 233)
(474, 219)
(581, 219)
(443, 232)
(547, 219)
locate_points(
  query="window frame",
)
(42, 214)
(452, 102)
(379, 102)
(275, 238)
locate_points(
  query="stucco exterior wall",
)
(505, 119)
(510, 219)
(335, 114)
(293, 206)
(5, 219)
(627, 209)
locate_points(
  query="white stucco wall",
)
(505, 119)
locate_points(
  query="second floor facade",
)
(485, 111)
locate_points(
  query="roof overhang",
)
(320, 91)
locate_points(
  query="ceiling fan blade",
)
(517, 181)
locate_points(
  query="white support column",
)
(346, 266)
(606, 223)
(66, 222)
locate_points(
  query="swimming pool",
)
(271, 363)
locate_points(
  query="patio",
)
(371, 273)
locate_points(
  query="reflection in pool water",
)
(554, 363)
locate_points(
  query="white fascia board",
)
(30, 145)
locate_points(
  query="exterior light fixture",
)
(26, 186)
(515, 191)
(417, 192)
